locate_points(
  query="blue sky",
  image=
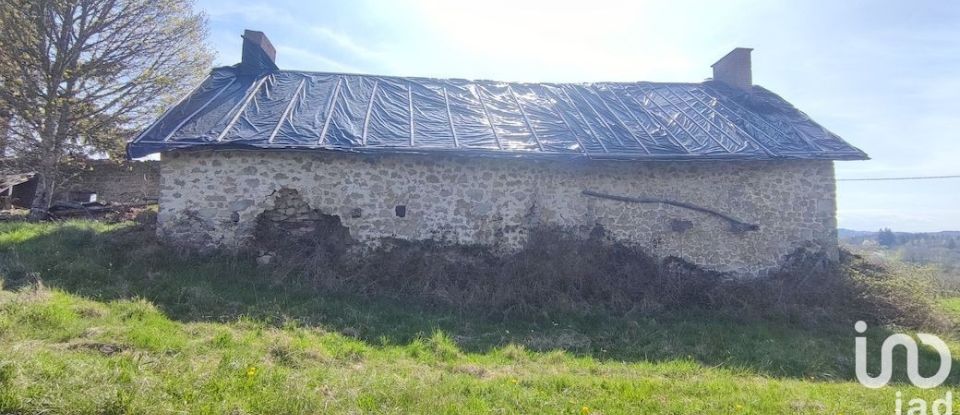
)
(884, 75)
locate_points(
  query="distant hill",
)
(850, 234)
(939, 249)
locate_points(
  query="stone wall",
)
(115, 182)
(214, 198)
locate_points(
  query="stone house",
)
(102, 180)
(722, 173)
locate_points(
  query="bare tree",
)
(77, 77)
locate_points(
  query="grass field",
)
(98, 318)
(951, 306)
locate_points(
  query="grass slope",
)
(98, 318)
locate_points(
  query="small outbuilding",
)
(722, 173)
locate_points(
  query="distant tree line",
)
(888, 238)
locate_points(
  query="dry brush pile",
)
(555, 271)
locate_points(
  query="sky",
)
(884, 75)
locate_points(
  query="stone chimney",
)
(259, 56)
(734, 69)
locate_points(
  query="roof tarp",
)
(367, 114)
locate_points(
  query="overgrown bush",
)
(552, 272)
(808, 289)
(556, 271)
(896, 292)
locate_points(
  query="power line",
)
(876, 179)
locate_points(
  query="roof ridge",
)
(315, 72)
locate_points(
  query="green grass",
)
(120, 324)
(951, 306)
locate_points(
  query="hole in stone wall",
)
(293, 222)
(401, 211)
(356, 213)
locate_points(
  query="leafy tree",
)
(78, 77)
(886, 237)
(952, 243)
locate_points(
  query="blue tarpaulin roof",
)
(283, 109)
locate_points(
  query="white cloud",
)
(558, 41)
(247, 11)
(347, 43)
(308, 60)
(295, 27)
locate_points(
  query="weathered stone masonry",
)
(213, 199)
(123, 182)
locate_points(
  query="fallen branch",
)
(736, 225)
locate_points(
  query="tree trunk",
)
(4, 132)
(46, 181)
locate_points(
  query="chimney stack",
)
(259, 56)
(734, 69)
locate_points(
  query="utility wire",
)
(876, 179)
